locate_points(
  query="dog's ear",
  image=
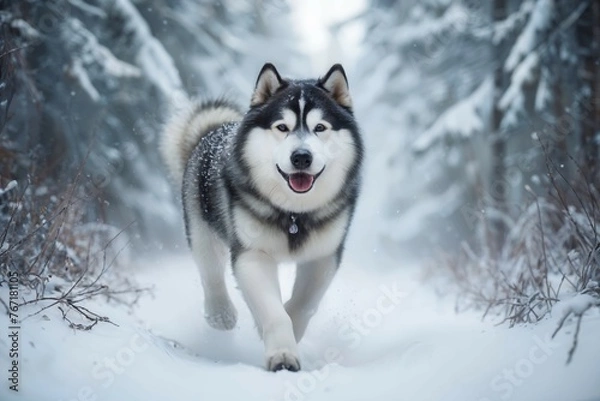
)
(267, 84)
(336, 84)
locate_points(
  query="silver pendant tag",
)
(293, 227)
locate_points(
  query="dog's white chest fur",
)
(254, 234)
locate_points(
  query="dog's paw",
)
(220, 316)
(282, 359)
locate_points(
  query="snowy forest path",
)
(376, 337)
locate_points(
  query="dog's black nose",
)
(301, 159)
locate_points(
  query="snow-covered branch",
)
(461, 121)
(539, 22)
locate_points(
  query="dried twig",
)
(575, 339)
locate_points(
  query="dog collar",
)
(293, 227)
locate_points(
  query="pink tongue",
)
(301, 182)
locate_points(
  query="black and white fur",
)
(244, 184)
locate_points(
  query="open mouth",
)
(300, 182)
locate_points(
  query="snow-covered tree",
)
(470, 89)
(421, 59)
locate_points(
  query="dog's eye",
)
(320, 128)
(282, 128)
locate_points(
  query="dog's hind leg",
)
(209, 253)
(256, 273)
(312, 280)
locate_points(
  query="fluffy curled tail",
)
(186, 127)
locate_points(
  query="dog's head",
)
(301, 143)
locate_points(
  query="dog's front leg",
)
(256, 273)
(312, 280)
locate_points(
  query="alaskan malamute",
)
(276, 184)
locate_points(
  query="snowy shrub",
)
(59, 259)
(551, 252)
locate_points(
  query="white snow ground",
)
(376, 337)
